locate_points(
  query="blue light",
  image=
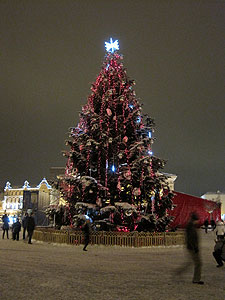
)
(150, 134)
(150, 152)
(112, 46)
(138, 119)
(131, 106)
(88, 218)
(113, 168)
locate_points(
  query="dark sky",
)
(51, 51)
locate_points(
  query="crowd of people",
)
(28, 225)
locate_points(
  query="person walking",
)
(192, 242)
(219, 252)
(30, 227)
(16, 227)
(5, 226)
(220, 230)
(192, 245)
(213, 224)
(86, 229)
(24, 224)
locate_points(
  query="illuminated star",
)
(112, 46)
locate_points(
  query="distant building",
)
(55, 171)
(17, 200)
(1, 202)
(171, 180)
(216, 197)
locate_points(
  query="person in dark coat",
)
(213, 224)
(192, 244)
(24, 224)
(30, 227)
(5, 226)
(206, 224)
(219, 252)
(86, 230)
(16, 227)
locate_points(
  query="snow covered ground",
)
(45, 271)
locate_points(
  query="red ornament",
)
(109, 112)
(125, 139)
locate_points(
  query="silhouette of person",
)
(213, 224)
(192, 244)
(16, 227)
(24, 224)
(30, 227)
(5, 227)
(219, 252)
(86, 230)
(206, 224)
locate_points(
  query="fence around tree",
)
(111, 238)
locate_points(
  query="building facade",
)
(56, 171)
(17, 200)
(218, 197)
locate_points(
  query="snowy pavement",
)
(45, 271)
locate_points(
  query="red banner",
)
(187, 204)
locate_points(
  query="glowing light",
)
(113, 168)
(12, 220)
(150, 152)
(131, 106)
(138, 119)
(88, 218)
(112, 46)
(150, 134)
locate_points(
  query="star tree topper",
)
(112, 46)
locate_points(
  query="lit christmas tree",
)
(112, 176)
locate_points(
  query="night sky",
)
(51, 52)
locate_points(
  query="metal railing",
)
(111, 238)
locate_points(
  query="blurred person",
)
(24, 225)
(219, 252)
(30, 227)
(16, 227)
(213, 224)
(5, 226)
(220, 230)
(192, 245)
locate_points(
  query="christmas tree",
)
(112, 176)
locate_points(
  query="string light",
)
(138, 119)
(113, 168)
